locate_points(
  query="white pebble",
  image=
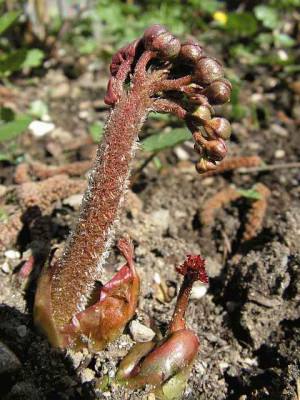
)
(199, 290)
(5, 267)
(141, 333)
(12, 254)
(39, 128)
(73, 201)
(279, 153)
(181, 154)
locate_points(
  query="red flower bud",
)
(204, 165)
(208, 70)
(216, 149)
(218, 92)
(191, 52)
(218, 127)
(158, 39)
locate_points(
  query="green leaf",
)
(6, 114)
(267, 15)
(8, 19)
(33, 59)
(284, 40)
(96, 130)
(155, 143)
(14, 128)
(12, 62)
(242, 23)
(39, 108)
(250, 193)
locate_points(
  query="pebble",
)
(62, 136)
(161, 219)
(199, 290)
(279, 130)
(87, 375)
(5, 267)
(9, 362)
(12, 254)
(140, 332)
(73, 201)
(40, 128)
(181, 154)
(256, 98)
(22, 330)
(61, 91)
(279, 154)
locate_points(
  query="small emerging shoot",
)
(166, 364)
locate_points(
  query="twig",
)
(269, 168)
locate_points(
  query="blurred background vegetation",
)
(36, 36)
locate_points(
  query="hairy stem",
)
(90, 241)
(181, 304)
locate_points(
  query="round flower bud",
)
(218, 127)
(191, 52)
(204, 165)
(216, 149)
(218, 92)
(158, 39)
(202, 112)
(208, 70)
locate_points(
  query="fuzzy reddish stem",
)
(172, 84)
(181, 304)
(169, 106)
(87, 247)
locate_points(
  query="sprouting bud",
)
(99, 323)
(194, 266)
(204, 165)
(166, 364)
(218, 92)
(216, 149)
(191, 52)
(158, 39)
(208, 70)
(218, 127)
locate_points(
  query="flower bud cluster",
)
(201, 85)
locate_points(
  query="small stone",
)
(223, 365)
(84, 114)
(181, 154)
(280, 153)
(40, 128)
(73, 201)
(22, 330)
(279, 130)
(62, 136)
(160, 219)
(199, 290)
(5, 267)
(9, 362)
(12, 254)
(141, 333)
(61, 91)
(87, 375)
(256, 98)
